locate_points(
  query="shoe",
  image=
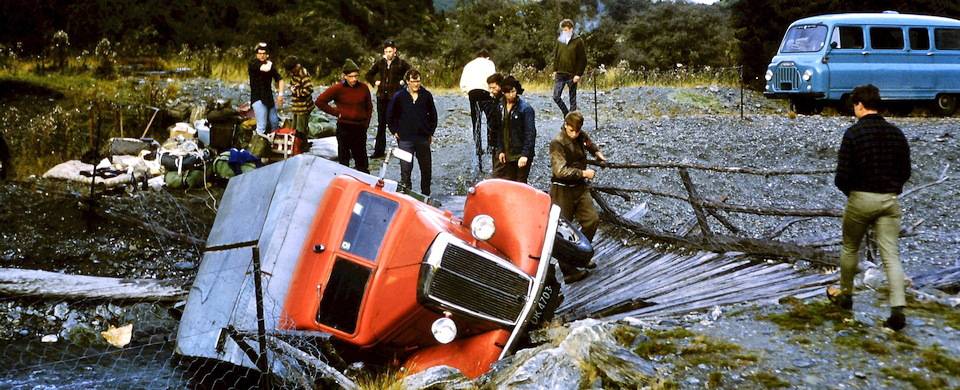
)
(590, 265)
(576, 276)
(897, 320)
(844, 301)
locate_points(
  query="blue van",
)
(910, 58)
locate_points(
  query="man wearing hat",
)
(301, 94)
(516, 133)
(385, 74)
(353, 108)
(262, 75)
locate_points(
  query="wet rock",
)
(85, 336)
(619, 364)
(61, 310)
(440, 377)
(864, 318)
(802, 363)
(184, 265)
(552, 368)
(874, 278)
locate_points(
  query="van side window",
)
(919, 39)
(887, 38)
(946, 38)
(847, 37)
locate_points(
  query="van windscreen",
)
(804, 38)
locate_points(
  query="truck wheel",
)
(945, 105)
(571, 246)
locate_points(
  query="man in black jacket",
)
(385, 74)
(413, 120)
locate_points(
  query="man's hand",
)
(576, 79)
(522, 162)
(279, 99)
(431, 139)
(397, 135)
(502, 157)
(589, 173)
(554, 75)
(376, 84)
(266, 66)
(600, 156)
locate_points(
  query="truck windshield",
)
(804, 38)
(369, 220)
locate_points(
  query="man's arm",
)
(581, 60)
(323, 101)
(558, 163)
(842, 178)
(431, 115)
(369, 76)
(529, 132)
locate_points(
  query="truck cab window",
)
(847, 37)
(369, 220)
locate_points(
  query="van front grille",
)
(788, 78)
(478, 285)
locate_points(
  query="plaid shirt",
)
(301, 91)
(873, 157)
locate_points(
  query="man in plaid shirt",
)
(872, 166)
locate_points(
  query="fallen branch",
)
(44, 284)
(712, 204)
(320, 365)
(943, 177)
(748, 171)
(149, 227)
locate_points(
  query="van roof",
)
(880, 18)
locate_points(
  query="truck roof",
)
(879, 18)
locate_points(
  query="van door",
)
(946, 57)
(921, 58)
(887, 65)
(845, 60)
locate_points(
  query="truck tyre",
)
(945, 105)
(571, 246)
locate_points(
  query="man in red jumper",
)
(353, 109)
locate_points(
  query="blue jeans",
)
(882, 212)
(421, 150)
(558, 83)
(263, 115)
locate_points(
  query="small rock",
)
(50, 338)
(184, 265)
(864, 318)
(812, 380)
(802, 363)
(874, 277)
(693, 381)
(860, 375)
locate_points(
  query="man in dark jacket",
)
(569, 63)
(413, 120)
(353, 110)
(569, 189)
(516, 134)
(385, 74)
(262, 74)
(872, 166)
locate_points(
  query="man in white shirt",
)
(473, 83)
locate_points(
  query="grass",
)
(805, 316)
(697, 99)
(858, 341)
(915, 379)
(768, 380)
(937, 360)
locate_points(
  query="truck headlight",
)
(807, 74)
(444, 330)
(769, 75)
(482, 227)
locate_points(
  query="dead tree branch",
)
(712, 204)
(749, 171)
(943, 177)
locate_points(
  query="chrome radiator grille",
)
(478, 285)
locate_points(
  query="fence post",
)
(262, 363)
(695, 201)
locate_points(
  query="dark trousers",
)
(380, 145)
(562, 80)
(476, 97)
(510, 170)
(421, 151)
(352, 142)
(576, 203)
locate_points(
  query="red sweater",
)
(353, 104)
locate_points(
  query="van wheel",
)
(806, 106)
(945, 105)
(570, 245)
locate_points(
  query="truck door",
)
(887, 64)
(845, 60)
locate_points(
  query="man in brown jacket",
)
(569, 189)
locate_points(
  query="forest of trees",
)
(639, 34)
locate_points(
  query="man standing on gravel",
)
(385, 74)
(872, 166)
(516, 134)
(568, 188)
(473, 83)
(413, 120)
(301, 94)
(569, 63)
(353, 111)
(262, 74)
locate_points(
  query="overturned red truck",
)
(310, 247)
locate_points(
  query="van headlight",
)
(769, 75)
(482, 227)
(807, 74)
